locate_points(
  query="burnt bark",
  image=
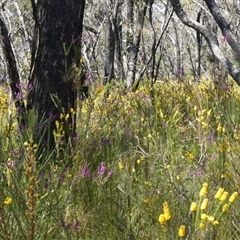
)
(55, 63)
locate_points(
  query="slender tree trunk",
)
(13, 74)
(134, 47)
(109, 46)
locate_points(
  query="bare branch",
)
(210, 38)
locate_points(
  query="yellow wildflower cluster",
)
(165, 216)
(222, 196)
(202, 117)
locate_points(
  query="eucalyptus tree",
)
(230, 35)
(54, 69)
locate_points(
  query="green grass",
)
(135, 152)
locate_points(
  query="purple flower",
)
(85, 171)
(101, 169)
(110, 173)
(179, 72)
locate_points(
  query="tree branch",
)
(210, 38)
(225, 28)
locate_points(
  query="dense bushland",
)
(158, 163)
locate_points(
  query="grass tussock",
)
(157, 163)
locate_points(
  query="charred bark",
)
(55, 63)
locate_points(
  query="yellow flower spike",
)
(8, 201)
(204, 204)
(224, 196)
(162, 218)
(219, 193)
(166, 211)
(225, 207)
(193, 207)
(182, 231)
(219, 128)
(203, 191)
(233, 197)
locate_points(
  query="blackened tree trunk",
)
(55, 64)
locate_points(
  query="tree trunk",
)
(55, 65)
(13, 74)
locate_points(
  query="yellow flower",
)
(162, 218)
(146, 201)
(204, 216)
(204, 204)
(211, 219)
(8, 201)
(219, 193)
(182, 231)
(233, 197)
(193, 207)
(225, 207)
(224, 196)
(166, 211)
(215, 223)
(120, 165)
(203, 191)
(190, 156)
(219, 128)
(202, 225)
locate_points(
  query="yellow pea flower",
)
(162, 218)
(225, 207)
(219, 193)
(202, 225)
(204, 204)
(193, 207)
(203, 191)
(120, 165)
(224, 196)
(8, 201)
(166, 211)
(204, 216)
(233, 197)
(182, 231)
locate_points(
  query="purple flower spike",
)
(110, 173)
(86, 172)
(101, 169)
